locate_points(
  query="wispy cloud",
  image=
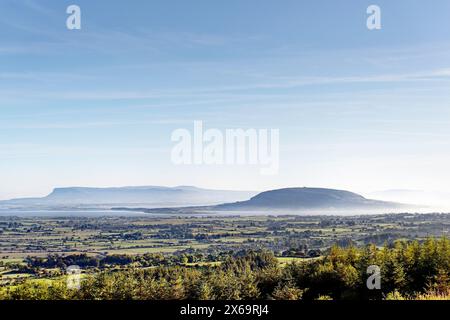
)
(275, 83)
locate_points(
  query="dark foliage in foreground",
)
(407, 270)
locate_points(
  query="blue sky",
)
(356, 109)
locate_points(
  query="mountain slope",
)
(307, 198)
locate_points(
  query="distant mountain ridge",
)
(131, 196)
(440, 198)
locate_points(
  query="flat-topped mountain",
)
(150, 196)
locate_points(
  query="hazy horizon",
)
(425, 200)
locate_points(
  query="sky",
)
(356, 109)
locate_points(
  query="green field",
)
(195, 240)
